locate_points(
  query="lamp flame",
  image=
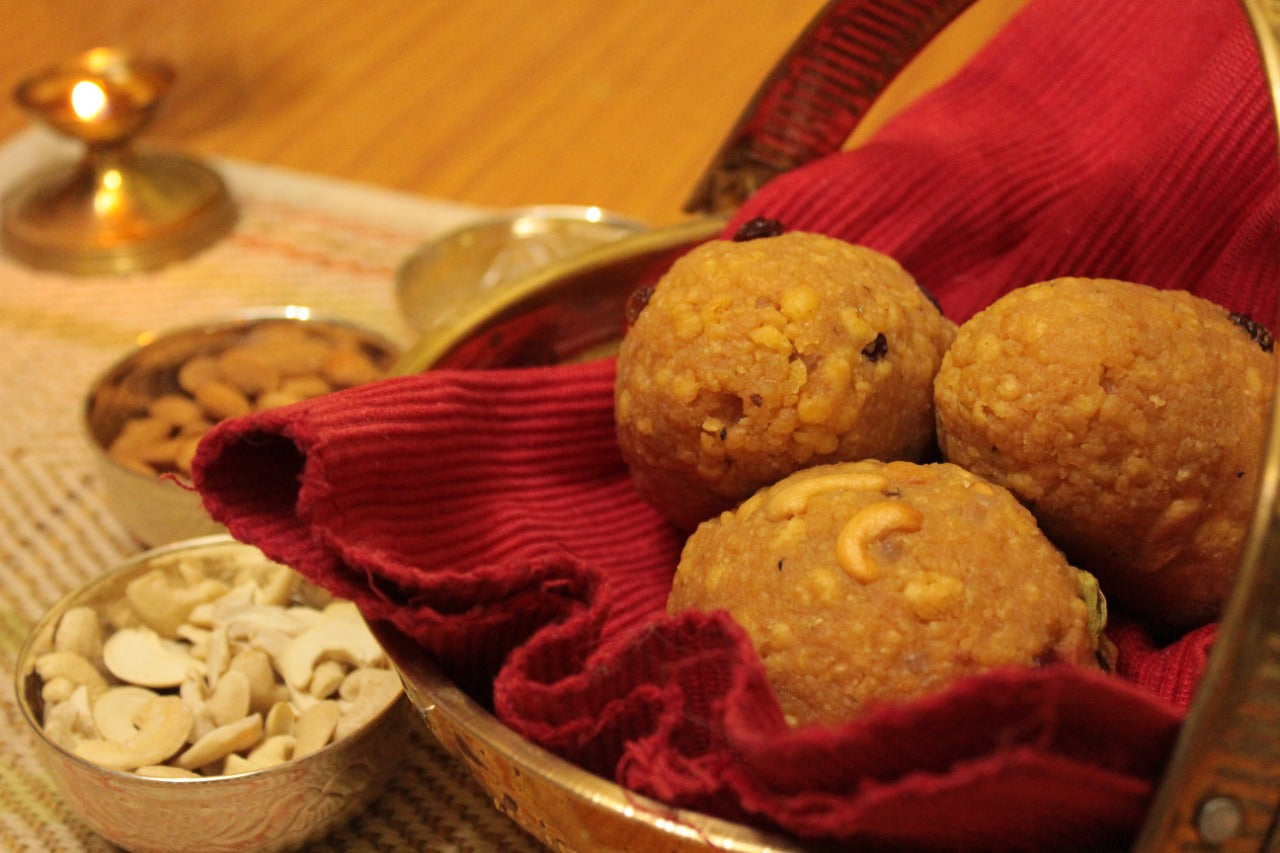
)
(88, 100)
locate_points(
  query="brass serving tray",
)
(557, 802)
(1222, 789)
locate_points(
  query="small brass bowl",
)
(155, 509)
(571, 309)
(277, 808)
(468, 264)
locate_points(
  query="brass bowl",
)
(467, 264)
(277, 808)
(157, 510)
(570, 309)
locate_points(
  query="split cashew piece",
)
(160, 730)
(339, 638)
(164, 606)
(230, 737)
(136, 656)
(73, 667)
(116, 712)
(214, 664)
(79, 631)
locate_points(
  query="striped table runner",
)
(301, 240)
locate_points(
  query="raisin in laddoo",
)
(1130, 420)
(866, 582)
(754, 358)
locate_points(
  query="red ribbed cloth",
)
(488, 514)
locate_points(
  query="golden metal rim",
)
(430, 350)
(423, 272)
(434, 696)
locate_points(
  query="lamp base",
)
(115, 212)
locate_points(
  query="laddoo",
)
(1130, 420)
(868, 582)
(757, 357)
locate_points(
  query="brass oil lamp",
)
(115, 210)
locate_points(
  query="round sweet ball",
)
(868, 582)
(755, 358)
(1130, 420)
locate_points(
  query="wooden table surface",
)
(493, 102)
(620, 103)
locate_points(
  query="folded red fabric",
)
(1128, 140)
(488, 514)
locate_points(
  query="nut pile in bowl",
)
(147, 413)
(206, 684)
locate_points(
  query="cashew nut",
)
(165, 771)
(79, 631)
(136, 656)
(308, 617)
(57, 690)
(868, 524)
(266, 667)
(211, 613)
(217, 655)
(256, 666)
(116, 712)
(314, 728)
(67, 722)
(197, 639)
(190, 570)
(235, 764)
(194, 693)
(230, 699)
(258, 618)
(277, 585)
(792, 498)
(326, 678)
(281, 719)
(162, 606)
(335, 638)
(161, 727)
(74, 667)
(273, 643)
(221, 742)
(341, 609)
(272, 751)
(366, 693)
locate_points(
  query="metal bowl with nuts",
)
(202, 697)
(145, 415)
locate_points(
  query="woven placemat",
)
(300, 240)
